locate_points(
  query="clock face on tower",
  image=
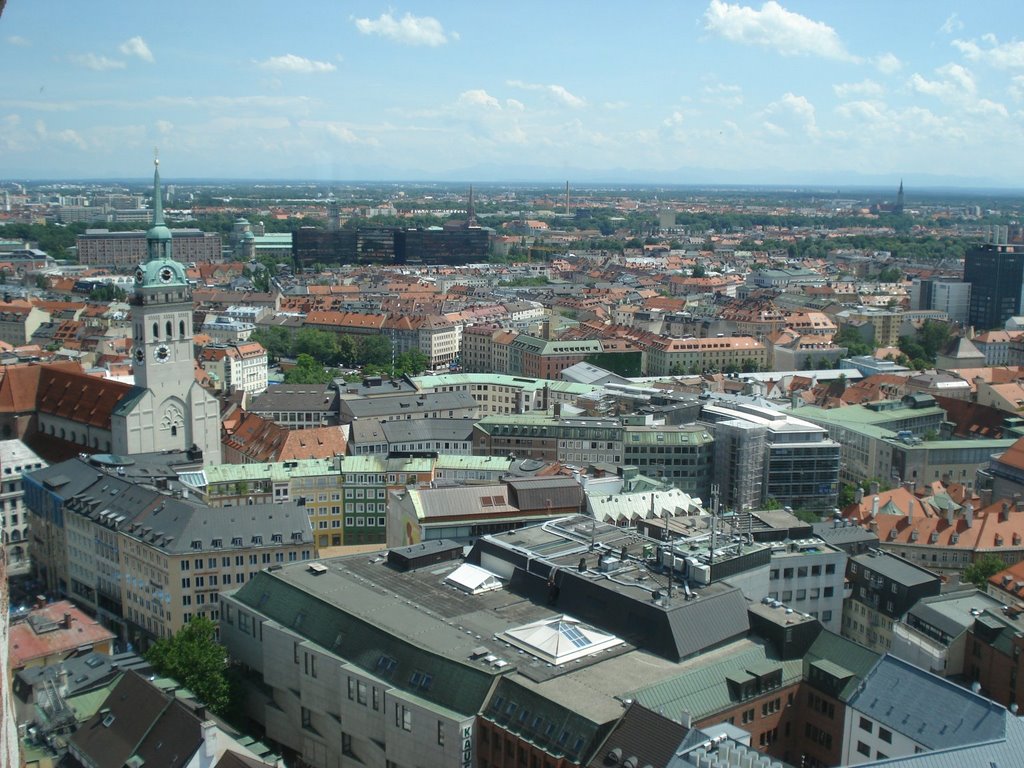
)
(166, 275)
(162, 353)
(140, 356)
(139, 275)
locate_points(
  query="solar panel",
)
(573, 635)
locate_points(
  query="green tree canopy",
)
(982, 569)
(195, 659)
(308, 371)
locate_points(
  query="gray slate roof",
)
(927, 708)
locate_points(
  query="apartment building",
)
(240, 366)
(667, 356)
(147, 561)
(900, 710)
(496, 393)
(16, 459)
(298, 406)
(807, 575)
(882, 588)
(18, 322)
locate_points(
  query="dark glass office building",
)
(996, 275)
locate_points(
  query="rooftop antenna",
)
(671, 553)
(714, 522)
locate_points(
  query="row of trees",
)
(318, 354)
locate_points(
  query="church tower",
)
(162, 316)
(167, 409)
(898, 208)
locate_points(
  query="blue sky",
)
(675, 91)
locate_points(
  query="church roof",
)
(79, 397)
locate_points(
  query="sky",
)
(658, 91)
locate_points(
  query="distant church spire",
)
(899, 199)
(158, 202)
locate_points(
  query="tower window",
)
(170, 332)
(174, 431)
(181, 328)
(156, 330)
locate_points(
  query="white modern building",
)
(807, 576)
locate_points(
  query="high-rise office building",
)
(996, 274)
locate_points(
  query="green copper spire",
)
(158, 239)
(158, 201)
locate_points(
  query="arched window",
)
(62, 435)
(181, 328)
(156, 330)
(174, 431)
(170, 332)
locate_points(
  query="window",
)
(865, 725)
(352, 689)
(361, 692)
(830, 568)
(403, 717)
(307, 719)
(864, 749)
(440, 733)
(828, 591)
(885, 735)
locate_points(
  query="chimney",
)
(986, 496)
(874, 507)
(969, 514)
(209, 739)
(874, 489)
(68, 620)
(1004, 512)
(858, 495)
(950, 515)
(910, 512)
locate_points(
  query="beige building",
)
(147, 561)
(233, 367)
(667, 355)
(126, 249)
(19, 321)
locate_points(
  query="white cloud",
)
(1017, 87)
(136, 46)
(478, 97)
(1000, 55)
(888, 63)
(95, 62)
(295, 64)
(409, 30)
(673, 120)
(799, 108)
(787, 33)
(951, 24)
(164, 127)
(19, 41)
(70, 136)
(560, 92)
(954, 84)
(515, 105)
(724, 94)
(863, 88)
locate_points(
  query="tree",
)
(322, 346)
(308, 371)
(986, 566)
(195, 659)
(374, 350)
(698, 270)
(108, 292)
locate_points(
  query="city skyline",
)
(680, 93)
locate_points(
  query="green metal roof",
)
(840, 654)
(704, 690)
